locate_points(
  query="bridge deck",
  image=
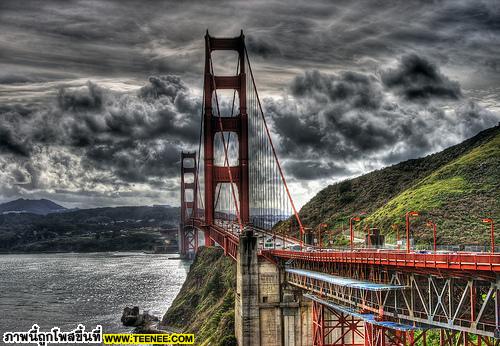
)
(479, 262)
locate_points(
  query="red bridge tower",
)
(188, 234)
(238, 124)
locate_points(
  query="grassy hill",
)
(455, 188)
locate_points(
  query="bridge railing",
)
(455, 261)
(424, 248)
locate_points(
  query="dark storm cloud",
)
(129, 38)
(261, 47)
(101, 116)
(163, 86)
(93, 141)
(98, 38)
(336, 120)
(417, 79)
(329, 109)
(81, 100)
(360, 90)
(136, 162)
(137, 138)
(334, 115)
(11, 143)
(311, 170)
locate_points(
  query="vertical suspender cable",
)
(301, 227)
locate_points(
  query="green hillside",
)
(455, 188)
(205, 303)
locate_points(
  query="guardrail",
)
(455, 261)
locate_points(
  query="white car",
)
(295, 247)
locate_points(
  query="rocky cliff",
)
(205, 303)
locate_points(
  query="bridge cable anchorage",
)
(225, 146)
(297, 217)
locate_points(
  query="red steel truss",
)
(467, 303)
(332, 328)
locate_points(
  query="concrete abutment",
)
(267, 311)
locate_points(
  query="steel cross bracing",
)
(243, 185)
(456, 300)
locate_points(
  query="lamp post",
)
(351, 231)
(320, 226)
(407, 216)
(433, 225)
(492, 223)
(396, 228)
(369, 238)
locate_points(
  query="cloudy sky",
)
(97, 98)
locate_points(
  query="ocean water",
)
(66, 289)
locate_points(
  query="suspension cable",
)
(273, 149)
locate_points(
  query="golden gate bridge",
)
(234, 191)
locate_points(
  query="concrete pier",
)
(267, 312)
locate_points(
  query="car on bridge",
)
(294, 247)
(270, 243)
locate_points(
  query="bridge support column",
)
(208, 240)
(247, 317)
(266, 311)
(188, 242)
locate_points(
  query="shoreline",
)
(101, 304)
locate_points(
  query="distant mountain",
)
(34, 206)
(455, 188)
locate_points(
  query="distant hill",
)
(455, 188)
(34, 206)
(83, 230)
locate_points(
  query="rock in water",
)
(131, 317)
